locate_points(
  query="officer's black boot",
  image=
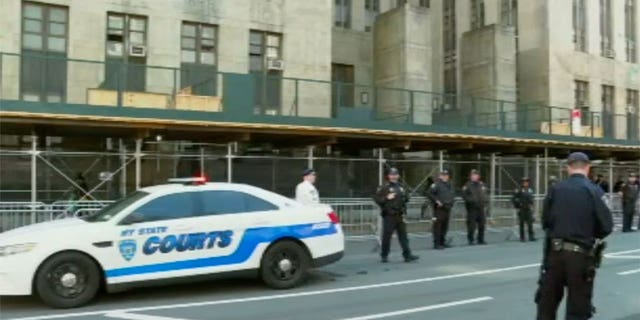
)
(410, 258)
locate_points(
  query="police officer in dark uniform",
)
(523, 200)
(392, 198)
(575, 217)
(442, 195)
(475, 200)
(629, 194)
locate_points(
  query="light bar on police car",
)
(192, 180)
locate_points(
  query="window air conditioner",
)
(275, 64)
(137, 51)
(609, 53)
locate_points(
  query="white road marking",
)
(623, 257)
(420, 309)
(620, 253)
(625, 273)
(284, 296)
(133, 316)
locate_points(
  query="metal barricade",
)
(14, 218)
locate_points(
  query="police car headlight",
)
(16, 248)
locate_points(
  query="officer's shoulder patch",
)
(464, 187)
(433, 186)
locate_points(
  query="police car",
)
(169, 233)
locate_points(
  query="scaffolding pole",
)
(138, 157)
(546, 170)
(229, 162)
(537, 203)
(34, 173)
(380, 167)
(123, 162)
(493, 181)
(440, 160)
(202, 174)
(310, 150)
(610, 191)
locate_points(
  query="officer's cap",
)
(393, 171)
(633, 175)
(308, 171)
(474, 171)
(445, 172)
(525, 179)
(578, 157)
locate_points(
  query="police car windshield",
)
(111, 210)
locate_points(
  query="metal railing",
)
(359, 216)
(261, 97)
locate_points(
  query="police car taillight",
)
(334, 217)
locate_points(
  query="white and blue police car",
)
(169, 233)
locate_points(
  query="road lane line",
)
(614, 254)
(623, 257)
(625, 273)
(133, 316)
(420, 309)
(284, 296)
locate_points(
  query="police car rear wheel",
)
(285, 265)
(67, 280)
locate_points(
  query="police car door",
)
(223, 213)
(153, 239)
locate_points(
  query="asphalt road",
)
(490, 282)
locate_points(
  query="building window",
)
(425, 3)
(126, 52)
(477, 14)
(265, 62)
(633, 115)
(606, 29)
(608, 117)
(581, 97)
(342, 17)
(630, 30)
(372, 9)
(342, 93)
(44, 38)
(509, 12)
(198, 55)
(580, 25)
(449, 27)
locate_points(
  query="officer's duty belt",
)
(560, 244)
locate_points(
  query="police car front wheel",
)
(285, 265)
(67, 280)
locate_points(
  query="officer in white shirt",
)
(306, 192)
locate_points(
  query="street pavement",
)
(490, 282)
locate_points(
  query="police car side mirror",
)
(132, 219)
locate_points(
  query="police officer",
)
(306, 192)
(441, 194)
(392, 198)
(475, 201)
(574, 216)
(523, 202)
(629, 193)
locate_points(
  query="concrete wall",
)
(402, 54)
(305, 27)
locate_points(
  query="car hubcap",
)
(67, 280)
(285, 266)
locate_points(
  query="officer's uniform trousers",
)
(440, 224)
(391, 223)
(572, 270)
(525, 217)
(476, 219)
